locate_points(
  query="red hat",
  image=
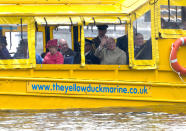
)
(52, 43)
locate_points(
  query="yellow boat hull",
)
(19, 93)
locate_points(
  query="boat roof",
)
(118, 6)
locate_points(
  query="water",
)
(116, 119)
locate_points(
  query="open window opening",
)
(70, 35)
(106, 44)
(62, 39)
(65, 40)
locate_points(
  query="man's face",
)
(101, 33)
(139, 40)
(87, 47)
(64, 46)
(53, 49)
(111, 45)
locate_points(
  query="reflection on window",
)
(63, 32)
(114, 31)
(106, 45)
(39, 42)
(14, 43)
(173, 17)
(142, 37)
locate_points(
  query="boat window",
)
(63, 32)
(39, 42)
(64, 36)
(142, 37)
(115, 49)
(173, 17)
(59, 29)
(13, 42)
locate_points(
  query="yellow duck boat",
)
(145, 81)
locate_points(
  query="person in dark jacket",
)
(90, 58)
(102, 30)
(4, 53)
(122, 43)
(142, 51)
(65, 50)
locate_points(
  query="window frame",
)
(143, 64)
(82, 64)
(169, 33)
(111, 21)
(21, 63)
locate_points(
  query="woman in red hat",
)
(53, 56)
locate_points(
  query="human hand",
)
(103, 41)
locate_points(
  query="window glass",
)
(58, 50)
(39, 48)
(112, 31)
(106, 45)
(39, 42)
(13, 42)
(63, 32)
(142, 37)
(63, 35)
(173, 17)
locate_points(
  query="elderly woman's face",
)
(53, 49)
(111, 45)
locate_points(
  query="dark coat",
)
(95, 43)
(4, 54)
(122, 43)
(90, 58)
(145, 51)
(68, 53)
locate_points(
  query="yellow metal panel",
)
(126, 6)
(62, 10)
(129, 6)
(58, 20)
(72, 36)
(42, 29)
(14, 20)
(31, 42)
(59, 1)
(79, 33)
(105, 20)
(71, 7)
(143, 64)
(82, 46)
(51, 32)
(172, 2)
(23, 101)
(16, 94)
